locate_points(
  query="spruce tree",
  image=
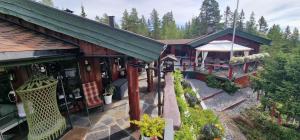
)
(154, 24)
(125, 20)
(143, 28)
(287, 33)
(228, 18)
(104, 19)
(187, 30)
(209, 16)
(295, 37)
(83, 14)
(262, 25)
(275, 34)
(196, 27)
(240, 21)
(169, 29)
(133, 21)
(251, 26)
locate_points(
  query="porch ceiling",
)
(14, 38)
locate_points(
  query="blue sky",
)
(283, 12)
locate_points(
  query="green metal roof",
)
(208, 38)
(125, 42)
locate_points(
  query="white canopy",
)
(222, 46)
(219, 46)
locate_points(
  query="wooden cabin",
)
(36, 37)
(185, 48)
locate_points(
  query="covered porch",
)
(114, 122)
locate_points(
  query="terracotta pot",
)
(217, 138)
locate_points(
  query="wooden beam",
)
(133, 93)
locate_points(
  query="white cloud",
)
(283, 12)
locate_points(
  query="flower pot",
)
(217, 138)
(149, 138)
(21, 111)
(108, 99)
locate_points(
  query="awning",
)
(219, 46)
(222, 46)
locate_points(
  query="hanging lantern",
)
(40, 104)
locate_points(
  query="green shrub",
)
(184, 133)
(264, 128)
(182, 105)
(185, 84)
(212, 82)
(229, 87)
(177, 76)
(211, 131)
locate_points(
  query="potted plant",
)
(109, 91)
(151, 127)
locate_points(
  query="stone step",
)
(234, 104)
(212, 95)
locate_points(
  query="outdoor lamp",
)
(88, 66)
(43, 69)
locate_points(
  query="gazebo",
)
(219, 46)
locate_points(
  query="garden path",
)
(225, 105)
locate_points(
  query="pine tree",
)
(295, 37)
(251, 26)
(83, 14)
(209, 16)
(154, 23)
(143, 28)
(262, 25)
(240, 21)
(125, 20)
(228, 18)
(47, 2)
(287, 33)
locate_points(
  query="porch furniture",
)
(39, 98)
(92, 95)
(121, 86)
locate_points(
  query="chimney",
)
(111, 21)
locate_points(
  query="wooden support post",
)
(230, 72)
(210, 69)
(149, 80)
(194, 65)
(246, 65)
(114, 71)
(184, 66)
(133, 93)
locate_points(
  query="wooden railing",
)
(170, 107)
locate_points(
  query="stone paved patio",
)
(113, 123)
